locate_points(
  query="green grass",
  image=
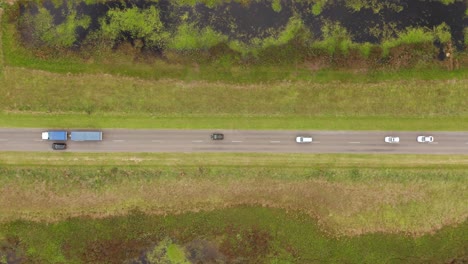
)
(47, 99)
(243, 160)
(349, 194)
(257, 235)
(1, 44)
(99, 121)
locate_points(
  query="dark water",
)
(258, 20)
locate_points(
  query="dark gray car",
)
(217, 136)
(59, 146)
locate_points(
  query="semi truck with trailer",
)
(62, 135)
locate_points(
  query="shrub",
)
(442, 33)
(208, 3)
(188, 37)
(365, 49)
(3, 4)
(44, 31)
(166, 252)
(295, 29)
(276, 5)
(409, 36)
(241, 47)
(335, 39)
(447, 2)
(133, 24)
(375, 5)
(318, 7)
(282, 47)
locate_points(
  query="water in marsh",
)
(258, 20)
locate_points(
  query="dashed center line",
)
(237, 141)
(354, 142)
(275, 141)
(39, 140)
(159, 141)
(118, 140)
(315, 142)
(197, 141)
(2, 139)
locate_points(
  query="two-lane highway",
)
(122, 140)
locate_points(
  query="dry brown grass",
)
(341, 208)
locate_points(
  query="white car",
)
(424, 139)
(303, 139)
(392, 139)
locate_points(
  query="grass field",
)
(244, 234)
(1, 46)
(246, 160)
(47, 120)
(49, 92)
(347, 195)
(105, 101)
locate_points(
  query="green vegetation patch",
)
(188, 37)
(56, 93)
(47, 99)
(317, 161)
(348, 195)
(244, 234)
(135, 24)
(100, 121)
(1, 44)
(44, 32)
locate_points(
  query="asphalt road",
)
(120, 140)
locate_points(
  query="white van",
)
(303, 139)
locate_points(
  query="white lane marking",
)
(315, 142)
(275, 141)
(434, 143)
(237, 141)
(159, 141)
(118, 140)
(197, 141)
(354, 142)
(38, 140)
(2, 139)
